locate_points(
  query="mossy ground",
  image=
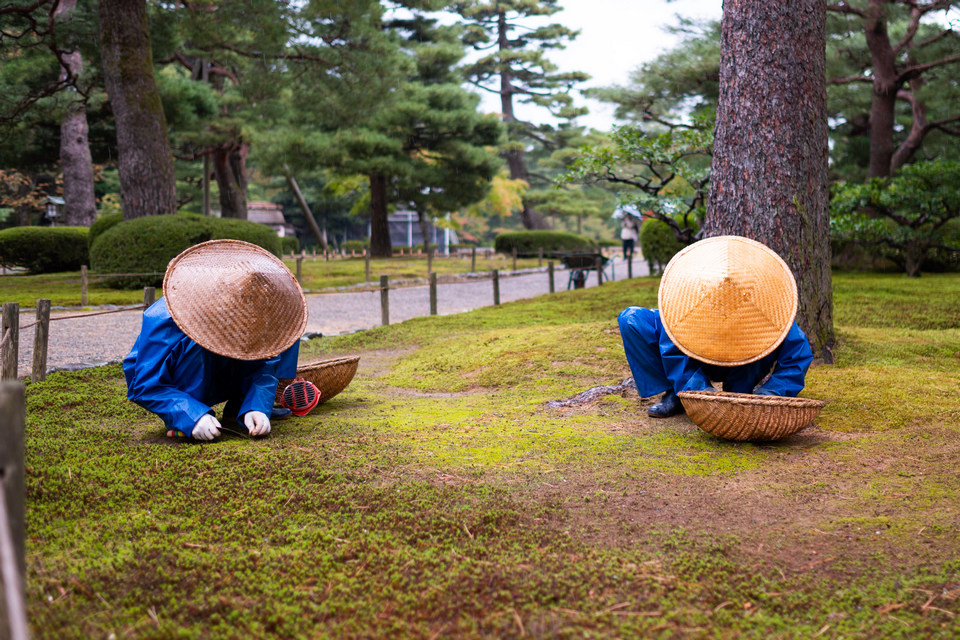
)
(438, 496)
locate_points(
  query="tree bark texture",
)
(80, 202)
(769, 174)
(380, 246)
(230, 171)
(885, 87)
(145, 164)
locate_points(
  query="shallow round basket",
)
(330, 376)
(744, 416)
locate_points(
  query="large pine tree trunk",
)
(230, 170)
(769, 174)
(80, 208)
(380, 246)
(145, 165)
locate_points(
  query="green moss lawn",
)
(438, 496)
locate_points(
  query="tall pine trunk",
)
(230, 170)
(145, 164)
(380, 246)
(80, 203)
(769, 178)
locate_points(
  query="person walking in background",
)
(629, 230)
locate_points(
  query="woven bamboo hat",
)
(727, 300)
(235, 299)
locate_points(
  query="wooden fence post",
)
(10, 337)
(433, 294)
(550, 272)
(429, 259)
(473, 260)
(540, 257)
(496, 288)
(384, 300)
(40, 338)
(599, 265)
(83, 285)
(630, 267)
(514, 258)
(366, 264)
(12, 497)
(149, 296)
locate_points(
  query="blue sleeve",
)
(684, 372)
(150, 366)
(795, 357)
(259, 385)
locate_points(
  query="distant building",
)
(405, 232)
(266, 213)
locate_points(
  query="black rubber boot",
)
(669, 405)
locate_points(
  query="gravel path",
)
(76, 342)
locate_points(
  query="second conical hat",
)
(727, 300)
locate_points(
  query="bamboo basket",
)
(744, 416)
(330, 376)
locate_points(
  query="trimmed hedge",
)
(44, 249)
(103, 223)
(289, 244)
(530, 242)
(658, 243)
(147, 245)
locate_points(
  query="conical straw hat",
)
(727, 300)
(235, 299)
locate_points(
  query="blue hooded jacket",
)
(177, 379)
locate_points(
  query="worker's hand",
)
(257, 423)
(207, 428)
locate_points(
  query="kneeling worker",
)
(726, 314)
(227, 327)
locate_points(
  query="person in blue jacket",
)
(726, 315)
(226, 329)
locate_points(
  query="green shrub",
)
(44, 249)
(146, 245)
(289, 244)
(658, 242)
(529, 243)
(101, 224)
(354, 245)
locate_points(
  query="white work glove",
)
(257, 423)
(207, 428)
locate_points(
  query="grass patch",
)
(438, 495)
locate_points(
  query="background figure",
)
(629, 229)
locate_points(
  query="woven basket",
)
(330, 376)
(744, 416)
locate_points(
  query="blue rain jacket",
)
(658, 365)
(177, 379)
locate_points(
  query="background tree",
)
(513, 65)
(147, 177)
(769, 173)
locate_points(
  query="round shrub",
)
(354, 245)
(530, 242)
(289, 244)
(44, 249)
(658, 243)
(101, 224)
(146, 245)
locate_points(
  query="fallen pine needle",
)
(516, 618)
(822, 631)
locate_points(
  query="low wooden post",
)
(496, 288)
(550, 272)
(433, 294)
(149, 296)
(429, 259)
(473, 260)
(83, 285)
(40, 338)
(12, 508)
(540, 257)
(599, 266)
(300, 270)
(514, 258)
(384, 300)
(366, 265)
(10, 338)
(630, 267)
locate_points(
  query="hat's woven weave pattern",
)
(743, 416)
(727, 300)
(235, 299)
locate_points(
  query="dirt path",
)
(77, 342)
